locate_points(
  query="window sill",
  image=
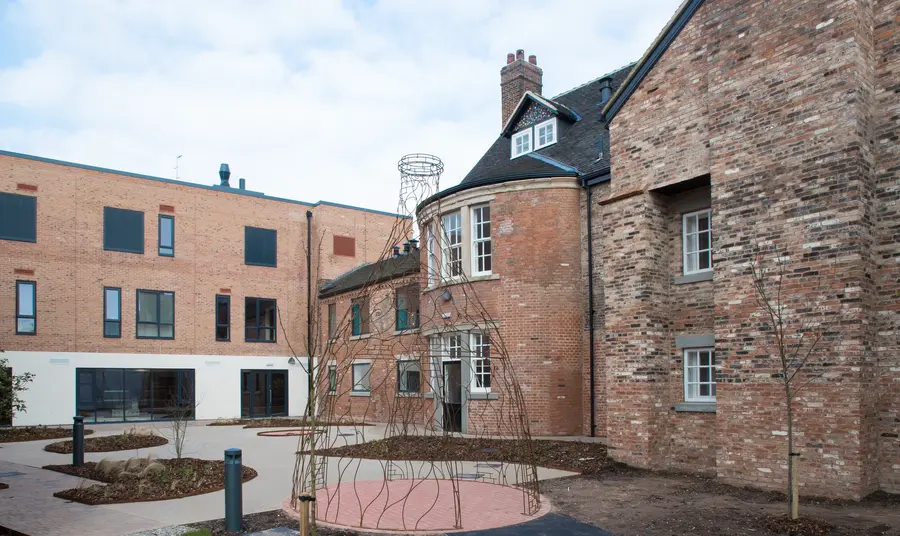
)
(428, 395)
(254, 341)
(483, 396)
(264, 265)
(460, 280)
(409, 331)
(366, 394)
(360, 337)
(331, 393)
(407, 395)
(693, 278)
(695, 407)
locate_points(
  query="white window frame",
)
(355, 381)
(478, 343)
(478, 239)
(527, 133)
(684, 241)
(436, 359)
(331, 365)
(537, 134)
(432, 255)
(447, 246)
(401, 366)
(688, 397)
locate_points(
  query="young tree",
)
(11, 386)
(181, 413)
(794, 327)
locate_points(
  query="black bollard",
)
(233, 499)
(78, 441)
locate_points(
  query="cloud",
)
(307, 100)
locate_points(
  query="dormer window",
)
(521, 143)
(545, 133)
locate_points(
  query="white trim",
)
(432, 255)
(515, 137)
(536, 97)
(684, 242)
(446, 246)
(353, 381)
(711, 382)
(537, 135)
(475, 241)
(473, 387)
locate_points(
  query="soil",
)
(169, 479)
(278, 422)
(35, 433)
(582, 457)
(4, 485)
(110, 443)
(267, 520)
(628, 501)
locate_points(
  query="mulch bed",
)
(278, 422)
(35, 433)
(4, 485)
(110, 443)
(262, 521)
(798, 527)
(176, 478)
(582, 457)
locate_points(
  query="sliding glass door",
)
(116, 395)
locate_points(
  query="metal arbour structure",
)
(439, 389)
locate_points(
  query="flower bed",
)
(278, 422)
(35, 433)
(145, 479)
(110, 443)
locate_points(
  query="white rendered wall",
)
(50, 398)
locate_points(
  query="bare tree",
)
(794, 326)
(180, 410)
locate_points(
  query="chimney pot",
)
(515, 79)
(406, 247)
(224, 174)
(605, 90)
(510, 58)
(414, 244)
(396, 251)
(242, 184)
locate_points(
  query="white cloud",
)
(308, 100)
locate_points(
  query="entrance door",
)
(452, 414)
(264, 393)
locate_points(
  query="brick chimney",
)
(517, 77)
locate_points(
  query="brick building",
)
(126, 294)
(605, 240)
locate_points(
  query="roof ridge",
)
(589, 82)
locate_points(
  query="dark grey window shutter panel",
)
(123, 230)
(18, 217)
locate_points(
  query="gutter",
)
(309, 313)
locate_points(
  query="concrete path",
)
(272, 457)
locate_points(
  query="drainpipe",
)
(309, 313)
(590, 262)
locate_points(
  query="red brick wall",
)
(537, 278)
(71, 267)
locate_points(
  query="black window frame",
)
(107, 212)
(249, 230)
(185, 392)
(31, 235)
(33, 315)
(219, 324)
(258, 326)
(137, 320)
(159, 236)
(106, 320)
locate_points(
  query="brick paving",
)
(420, 506)
(28, 506)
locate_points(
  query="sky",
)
(309, 100)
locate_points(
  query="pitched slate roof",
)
(575, 154)
(373, 273)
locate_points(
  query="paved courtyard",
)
(272, 457)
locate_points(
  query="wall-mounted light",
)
(446, 295)
(292, 361)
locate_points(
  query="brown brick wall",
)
(71, 267)
(774, 100)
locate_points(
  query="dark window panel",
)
(123, 230)
(18, 217)
(260, 246)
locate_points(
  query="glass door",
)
(264, 393)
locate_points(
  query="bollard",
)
(305, 499)
(78, 441)
(233, 500)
